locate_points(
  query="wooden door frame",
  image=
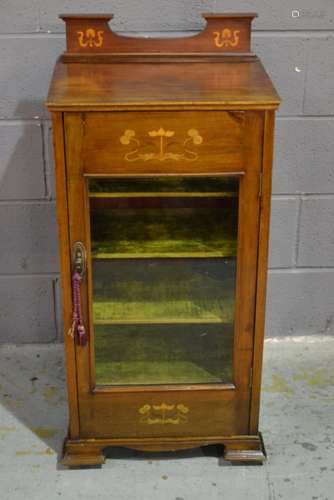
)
(64, 223)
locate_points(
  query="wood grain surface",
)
(148, 109)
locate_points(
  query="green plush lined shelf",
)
(141, 354)
(171, 232)
(167, 184)
(164, 194)
(152, 372)
(163, 217)
(163, 291)
(161, 321)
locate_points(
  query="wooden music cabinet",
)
(163, 152)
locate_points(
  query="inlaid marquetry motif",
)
(226, 38)
(90, 38)
(164, 414)
(162, 146)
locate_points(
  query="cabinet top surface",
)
(102, 70)
(92, 86)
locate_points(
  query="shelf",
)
(160, 321)
(204, 185)
(171, 255)
(145, 354)
(163, 291)
(164, 217)
(134, 312)
(150, 372)
(174, 194)
(165, 232)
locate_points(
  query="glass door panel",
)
(164, 271)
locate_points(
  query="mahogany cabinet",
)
(163, 153)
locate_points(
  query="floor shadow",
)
(32, 394)
(128, 454)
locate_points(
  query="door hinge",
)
(260, 184)
(250, 377)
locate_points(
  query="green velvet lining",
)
(163, 232)
(164, 184)
(154, 354)
(155, 290)
(164, 279)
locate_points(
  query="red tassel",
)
(82, 338)
(78, 327)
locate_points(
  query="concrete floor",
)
(297, 425)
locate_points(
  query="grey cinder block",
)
(316, 241)
(284, 58)
(164, 15)
(319, 90)
(304, 158)
(26, 310)
(59, 310)
(284, 15)
(184, 15)
(26, 69)
(49, 158)
(28, 238)
(300, 303)
(18, 16)
(21, 161)
(283, 230)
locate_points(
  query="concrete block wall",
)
(296, 43)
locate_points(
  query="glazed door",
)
(163, 261)
(168, 291)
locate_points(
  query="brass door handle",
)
(79, 258)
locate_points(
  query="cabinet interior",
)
(163, 268)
